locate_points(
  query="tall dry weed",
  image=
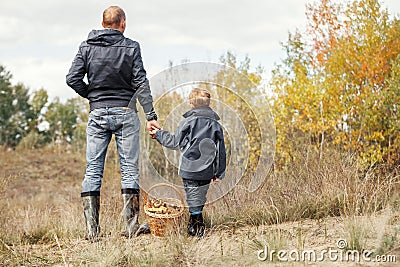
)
(312, 187)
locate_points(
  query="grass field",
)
(311, 205)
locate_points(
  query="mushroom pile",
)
(159, 206)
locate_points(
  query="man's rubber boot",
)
(130, 212)
(91, 207)
(143, 229)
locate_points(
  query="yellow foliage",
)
(340, 83)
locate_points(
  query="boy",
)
(200, 138)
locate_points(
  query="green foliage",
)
(15, 112)
(62, 119)
(81, 108)
(35, 138)
(32, 140)
(37, 102)
(21, 115)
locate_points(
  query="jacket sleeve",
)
(220, 157)
(141, 84)
(76, 74)
(173, 141)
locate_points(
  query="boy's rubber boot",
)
(130, 212)
(201, 227)
(91, 207)
(196, 226)
(191, 228)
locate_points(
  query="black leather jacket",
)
(201, 139)
(114, 69)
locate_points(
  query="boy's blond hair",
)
(199, 97)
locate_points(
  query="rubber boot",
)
(130, 212)
(196, 226)
(201, 227)
(191, 228)
(143, 229)
(91, 207)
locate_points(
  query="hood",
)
(202, 112)
(104, 37)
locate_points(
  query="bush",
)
(32, 140)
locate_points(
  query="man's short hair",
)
(199, 97)
(113, 16)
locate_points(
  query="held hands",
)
(154, 130)
(152, 127)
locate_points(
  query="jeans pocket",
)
(94, 125)
(131, 122)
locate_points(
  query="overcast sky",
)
(39, 38)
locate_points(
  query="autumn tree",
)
(237, 85)
(338, 84)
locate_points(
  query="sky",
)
(39, 39)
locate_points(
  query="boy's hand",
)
(153, 130)
(215, 180)
(150, 125)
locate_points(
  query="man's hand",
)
(150, 125)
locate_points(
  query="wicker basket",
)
(159, 223)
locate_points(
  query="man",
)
(116, 78)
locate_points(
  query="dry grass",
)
(312, 188)
(310, 204)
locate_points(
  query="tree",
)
(62, 119)
(338, 82)
(237, 82)
(170, 108)
(81, 107)
(37, 102)
(14, 110)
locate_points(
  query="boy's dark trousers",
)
(196, 192)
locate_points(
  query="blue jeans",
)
(102, 124)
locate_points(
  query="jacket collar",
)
(203, 111)
(104, 37)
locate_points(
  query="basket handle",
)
(166, 185)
